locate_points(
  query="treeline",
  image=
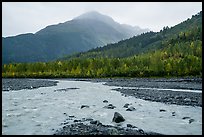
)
(180, 56)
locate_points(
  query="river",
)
(42, 111)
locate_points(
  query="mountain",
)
(87, 31)
(172, 52)
(145, 42)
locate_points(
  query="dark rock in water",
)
(110, 106)
(162, 110)
(71, 116)
(105, 101)
(130, 109)
(129, 125)
(76, 120)
(126, 105)
(84, 106)
(94, 122)
(118, 118)
(141, 131)
(191, 120)
(173, 113)
(185, 117)
(89, 119)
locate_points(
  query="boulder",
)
(118, 118)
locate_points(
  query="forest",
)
(179, 56)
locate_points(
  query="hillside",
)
(145, 42)
(90, 30)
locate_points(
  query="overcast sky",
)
(30, 17)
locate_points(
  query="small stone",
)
(178, 97)
(99, 124)
(185, 117)
(130, 109)
(129, 125)
(126, 105)
(94, 122)
(105, 101)
(191, 120)
(89, 119)
(162, 110)
(141, 131)
(76, 120)
(71, 116)
(84, 106)
(187, 99)
(110, 106)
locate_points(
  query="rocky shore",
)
(95, 127)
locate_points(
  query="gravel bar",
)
(164, 96)
(24, 83)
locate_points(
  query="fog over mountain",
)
(87, 31)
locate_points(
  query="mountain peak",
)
(94, 15)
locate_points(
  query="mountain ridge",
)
(142, 43)
(62, 39)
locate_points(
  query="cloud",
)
(24, 17)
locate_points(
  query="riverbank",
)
(158, 89)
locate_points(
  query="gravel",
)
(24, 83)
(97, 128)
